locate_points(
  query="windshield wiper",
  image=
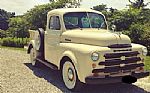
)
(102, 26)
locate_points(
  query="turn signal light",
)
(93, 65)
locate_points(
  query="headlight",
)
(95, 56)
(144, 51)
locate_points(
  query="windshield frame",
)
(87, 15)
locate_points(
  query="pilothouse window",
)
(54, 23)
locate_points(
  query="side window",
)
(54, 23)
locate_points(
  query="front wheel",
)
(70, 77)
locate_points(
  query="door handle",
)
(68, 40)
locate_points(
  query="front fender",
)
(73, 58)
(80, 54)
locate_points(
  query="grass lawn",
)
(14, 48)
(147, 63)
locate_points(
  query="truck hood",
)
(94, 37)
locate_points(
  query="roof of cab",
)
(65, 10)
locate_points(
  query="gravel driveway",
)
(18, 76)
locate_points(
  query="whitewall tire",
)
(33, 58)
(33, 55)
(70, 77)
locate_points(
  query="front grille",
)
(120, 46)
(117, 68)
(120, 50)
(118, 55)
(119, 61)
(114, 63)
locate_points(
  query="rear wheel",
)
(33, 57)
(70, 77)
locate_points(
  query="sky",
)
(22, 6)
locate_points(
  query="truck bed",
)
(33, 34)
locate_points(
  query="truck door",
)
(52, 39)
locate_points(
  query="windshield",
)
(84, 20)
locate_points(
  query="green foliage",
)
(100, 8)
(18, 27)
(137, 4)
(147, 63)
(2, 33)
(14, 42)
(1, 41)
(123, 19)
(37, 16)
(136, 33)
(135, 22)
(4, 17)
(68, 3)
(33, 19)
(140, 34)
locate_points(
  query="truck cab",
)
(78, 43)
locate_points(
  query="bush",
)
(0, 41)
(140, 34)
(14, 42)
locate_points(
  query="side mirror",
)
(113, 27)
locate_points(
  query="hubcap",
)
(70, 74)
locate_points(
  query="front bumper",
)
(108, 79)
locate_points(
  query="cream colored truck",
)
(78, 43)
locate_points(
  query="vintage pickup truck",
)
(78, 43)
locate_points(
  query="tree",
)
(18, 27)
(36, 17)
(4, 16)
(3, 24)
(2, 33)
(68, 3)
(100, 8)
(138, 4)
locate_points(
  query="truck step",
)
(48, 64)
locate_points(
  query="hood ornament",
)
(118, 33)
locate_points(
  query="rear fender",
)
(31, 45)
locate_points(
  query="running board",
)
(52, 66)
